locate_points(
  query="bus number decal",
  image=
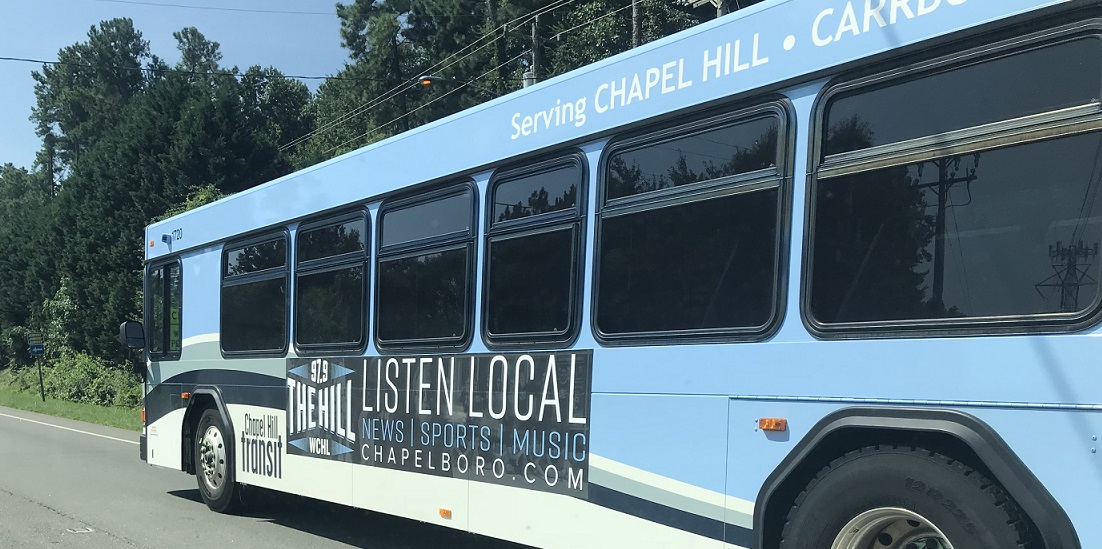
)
(514, 419)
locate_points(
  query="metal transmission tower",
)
(1071, 264)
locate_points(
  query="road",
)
(69, 484)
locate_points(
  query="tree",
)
(83, 96)
(600, 28)
(25, 271)
(183, 134)
(197, 54)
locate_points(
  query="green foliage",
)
(83, 378)
(25, 265)
(601, 28)
(82, 97)
(58, 318)
(79, 378)
(202, 196)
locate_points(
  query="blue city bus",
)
(818, 273)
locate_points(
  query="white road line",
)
(69, 429)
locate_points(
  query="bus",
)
(817, 273)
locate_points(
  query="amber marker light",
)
(143, 416)
(150, 243)
(185, 396)
(445, 513)
(773, 424)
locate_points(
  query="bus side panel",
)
(551, 520)
(752, 454)
(418, 496)
(260, 441)
(163, 440)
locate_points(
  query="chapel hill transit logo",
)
(518, 419)
(320, 417)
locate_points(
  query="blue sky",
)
(301, 44)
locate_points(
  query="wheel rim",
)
(212, 456)
(890, 528)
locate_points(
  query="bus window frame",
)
(327, 264)
(258, 276)
(779, 177)
(162, 263)
(434, 244)
(573, 219)
(1035, 128)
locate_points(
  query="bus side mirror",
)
(132, 334)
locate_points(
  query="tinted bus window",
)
(687, 264)
(531, 291)
(330, 284)
(254, 297)
(423, 294)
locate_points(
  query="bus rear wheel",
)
(885, 497)
(214, 467)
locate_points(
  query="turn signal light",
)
(185, 396)
(445, 513)
(143, 416)
(773, 424)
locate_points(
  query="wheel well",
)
(840, 441)
(198, 403)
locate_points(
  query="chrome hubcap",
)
(212, 457)
(890, 528)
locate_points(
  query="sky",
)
(305, 44)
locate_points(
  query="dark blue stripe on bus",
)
(236, 387)
(674, 518)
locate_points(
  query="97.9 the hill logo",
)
(320, 419)
(518, 419)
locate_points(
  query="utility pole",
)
(636, 23)
(537, 50)
(946, 177)
(499, 45)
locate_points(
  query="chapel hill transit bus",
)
(819, 273)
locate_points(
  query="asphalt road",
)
(69, 484)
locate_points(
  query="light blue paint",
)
(681, 437)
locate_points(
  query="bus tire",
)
(214, 468)
(887, 496)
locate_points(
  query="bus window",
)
(330, 284)
(944, 228)
(532, 262)
(695, 251)
(164, 299)
(254, 297)
(423, 292)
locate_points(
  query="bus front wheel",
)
(900, 498)
(214, 464)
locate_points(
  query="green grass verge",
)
(112, 416)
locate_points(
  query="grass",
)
(112, 416)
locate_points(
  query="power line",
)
(380, 126)
(213, 8)
(179, 71)
(393, 92)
